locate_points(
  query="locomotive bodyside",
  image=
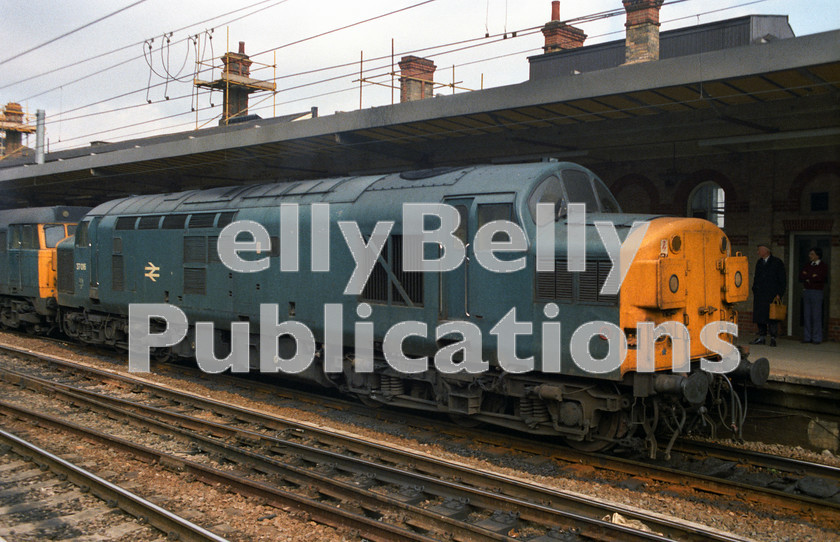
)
(162, 249)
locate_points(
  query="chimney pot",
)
(241, 47)
(559, 35)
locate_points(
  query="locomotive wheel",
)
(162, 355)
(608, 427)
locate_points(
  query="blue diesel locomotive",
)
(164, 249)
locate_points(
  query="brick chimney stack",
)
(237, 63)
(642, 30)
(560, 36)
(417, 77)
(236, 97)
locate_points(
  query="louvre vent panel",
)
(604, 271)
(376, 288)
(545, 286)
(66, 270)
(194, 249)
(411, 281)
(213, 250)
(202, 220)
(560, 285)
(117, 273)
(563, 281)
(195, 280)
(588, 283)
(126, 222)
(174, 222)
(225, 219)
(149, 222)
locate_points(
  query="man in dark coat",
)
(769, 283)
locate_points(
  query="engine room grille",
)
(202, 220)
(149, 222)
(195, 280)
(376, 288)
(194, 249)
(66, 270)
(213, 250)
(560, 285)
(379, 284)
(126, 222)
(556, 285)
(411, 281)
(117, 273)
(174, 222)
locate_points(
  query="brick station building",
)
(776, 183)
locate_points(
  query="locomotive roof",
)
(438, 183)
(38, 215)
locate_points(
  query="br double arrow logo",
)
(152, 272)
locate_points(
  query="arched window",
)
(707, 201)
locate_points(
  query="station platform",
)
(816, 365)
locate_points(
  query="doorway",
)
(802, 245)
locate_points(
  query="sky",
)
(103, 83)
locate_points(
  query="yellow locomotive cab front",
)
(682, 273)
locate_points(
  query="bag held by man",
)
(778, 311)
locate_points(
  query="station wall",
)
(788, 199)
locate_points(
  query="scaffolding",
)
(236, 83)
(13, 125)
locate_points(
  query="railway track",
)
(428, 497)
(688, 453)
(46, 497)
(752, 478)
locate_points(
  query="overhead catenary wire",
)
(345, 27)
(520, 33)
(135, 44)
(55, 39)
(98, 72)
(321, 81)
(589, 17)
(137, 57)
(270, 50)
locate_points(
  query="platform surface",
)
(801, 363)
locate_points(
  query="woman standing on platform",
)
(814, 276)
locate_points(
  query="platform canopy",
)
(776, 95)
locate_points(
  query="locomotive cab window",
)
(608, 202)
(579, 188)
(53, 234)
(82, 239)
(14, 237)
(29, 237)
(548, 191)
